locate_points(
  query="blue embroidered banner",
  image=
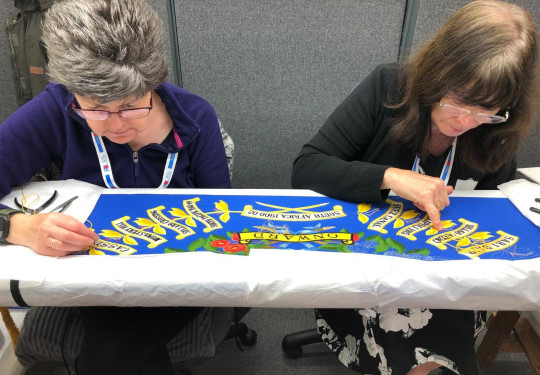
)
(234, 224)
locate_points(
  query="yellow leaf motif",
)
(363, 218)
(178, 213)
(191, 222)
(129, 240)
(95, 252)
(144, 222)
(398, 223)
(447, 223)
(222, 206)
(107, 233)
(224, 217)
(410, 214)
(363, 207)
(432, 231)
(159, 230)
(480, 236)
(464, 242)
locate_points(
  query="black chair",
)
(293, 342)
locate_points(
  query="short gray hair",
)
(105, 50)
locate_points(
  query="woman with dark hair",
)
(109, 118)
(452, 117)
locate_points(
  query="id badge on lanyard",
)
(447, 168)
(106, 169)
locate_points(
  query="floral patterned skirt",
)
(392, 341)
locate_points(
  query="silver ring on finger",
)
(52, 243)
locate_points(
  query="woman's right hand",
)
(429, 194)
(53, 234)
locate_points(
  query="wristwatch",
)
(5, 215)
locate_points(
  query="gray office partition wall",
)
(431, 15)
(274, 70)
(163, 9)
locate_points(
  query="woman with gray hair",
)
(110, 119)
(452, 116)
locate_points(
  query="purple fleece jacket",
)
(47, 130)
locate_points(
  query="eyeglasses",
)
(478, 116)
(100, 115)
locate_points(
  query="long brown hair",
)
(486, 54)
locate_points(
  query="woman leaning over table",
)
(453, 116)
(110, 100)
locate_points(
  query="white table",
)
(265, 278)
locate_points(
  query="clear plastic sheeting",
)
(265, 278)
(524, 195)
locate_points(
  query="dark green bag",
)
(28, 55)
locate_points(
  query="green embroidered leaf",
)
(173, 250)
(396, 245)
(197, 244)
(376, 238)
(344, 249)
(424, 251)
(382, 247)
(214, 237)
(330, 247)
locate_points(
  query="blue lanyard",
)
(106, 169)
(447, 168)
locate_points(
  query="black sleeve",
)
(492, 180)
(334, 162)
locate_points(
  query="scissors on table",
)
(60, 208)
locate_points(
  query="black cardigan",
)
(347, 158)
